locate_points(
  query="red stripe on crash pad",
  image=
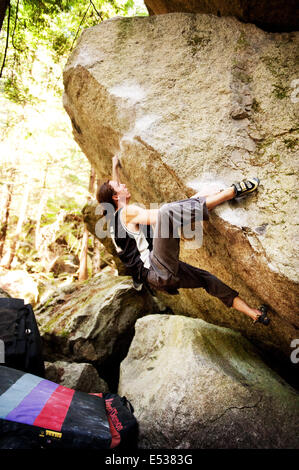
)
(55, 410)
(115, 436)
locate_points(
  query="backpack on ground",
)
(38, 413)
(20, 337)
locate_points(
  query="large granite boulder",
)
(196, 385)
(92, 321)
(271, 15)
(193, 102)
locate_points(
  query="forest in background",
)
(45, 179)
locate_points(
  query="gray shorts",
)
(167, 272)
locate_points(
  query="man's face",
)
(121, 190)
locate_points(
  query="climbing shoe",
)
(263, 317)
(245, 186)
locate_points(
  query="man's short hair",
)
(104, 194)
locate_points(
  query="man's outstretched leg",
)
(236, 190)
(215, 199)
(168, 271)
(192, 278)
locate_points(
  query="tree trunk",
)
(3, 7)
(92, 179)
(83, 271)
(16, 237)
(5, 216)
(41, 206)
(96, 256)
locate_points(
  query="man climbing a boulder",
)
(153, 259)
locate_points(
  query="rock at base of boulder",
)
(3, 294)
(93, 322)
(196, 385)
(82, 377)
(19, 284)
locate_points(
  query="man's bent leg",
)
(172, 217)
(166, 241)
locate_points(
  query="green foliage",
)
(274, 158)
(198, 42)
(36, 144)
(291, 143)
(16, 91)
(54, 26)
(256, 105)
(280, 91)
(280, 65)
(241, 75)
(242, 41)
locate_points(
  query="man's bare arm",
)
(136, 215)
(115, 169)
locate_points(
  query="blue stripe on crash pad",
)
(10, 399)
